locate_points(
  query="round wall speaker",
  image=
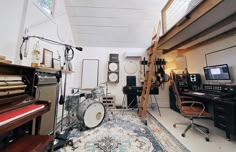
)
(113, 67)
(113, 77)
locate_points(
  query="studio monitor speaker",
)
(195, 79)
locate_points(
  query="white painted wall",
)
(196, 58)
(103, 55)
(114, 88)
(11, 14)
(39, 23)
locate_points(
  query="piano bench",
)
(30, 143)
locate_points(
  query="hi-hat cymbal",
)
(85, 89)
(101, 86)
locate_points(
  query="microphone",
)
(79, 48)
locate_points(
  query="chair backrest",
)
(177, 97)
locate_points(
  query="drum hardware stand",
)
(106, 106)
(124, 101)
(156, 104)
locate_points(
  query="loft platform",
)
(209, 20)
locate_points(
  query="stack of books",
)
(11, 84)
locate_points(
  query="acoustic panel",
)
(90, 71)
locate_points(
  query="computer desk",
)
(224, 110)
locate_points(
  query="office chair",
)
(192, 110)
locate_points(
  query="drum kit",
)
(89, 112)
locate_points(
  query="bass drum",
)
(91, 113)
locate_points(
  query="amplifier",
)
(114, 58)
(194, 79)
(44, 78)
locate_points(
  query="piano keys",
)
(19, 113)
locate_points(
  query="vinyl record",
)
(113, 67)
(113, 77)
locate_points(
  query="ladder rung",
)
(150, 52)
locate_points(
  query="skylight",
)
(47, 5)
(176, 10)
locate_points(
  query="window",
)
(176, 11)
(47, 5)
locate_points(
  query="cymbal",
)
(104, 82)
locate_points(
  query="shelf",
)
(15, 66)
(211, 19)
(30, 143)
(45, 69)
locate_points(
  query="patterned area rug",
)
(124, 132)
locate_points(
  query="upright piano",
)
(18, 110)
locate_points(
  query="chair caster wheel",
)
(207, 139)
(183, 135)
(145, 122)
(174, 125)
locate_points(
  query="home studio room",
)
(112, 76)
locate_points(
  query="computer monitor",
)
(217, 72)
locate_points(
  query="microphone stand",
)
(63, 138)
(25, 39)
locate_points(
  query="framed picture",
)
(47, 58)
(56, 64)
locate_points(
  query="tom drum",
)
(91, 112)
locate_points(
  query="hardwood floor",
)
(193, 140)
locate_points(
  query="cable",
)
(24, 39)
(37, 90)
(69, 52)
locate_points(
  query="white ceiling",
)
(113, 23)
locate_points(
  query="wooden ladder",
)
(152, 55)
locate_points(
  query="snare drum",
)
(91, 113)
